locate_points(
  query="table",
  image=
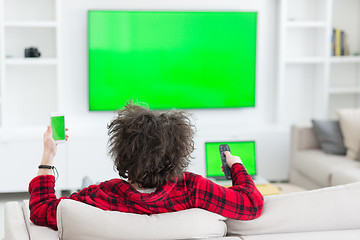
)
(264, 186)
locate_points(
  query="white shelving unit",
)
(305, 24)
(30, 61)
(312, 83)
(344, 90)
(345, 59)
(50, 24)
(2, 64)
(30, 87)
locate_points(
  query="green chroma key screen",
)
(245, 150)
(185, 60)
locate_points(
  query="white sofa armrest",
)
(37, 232)
(303, 137)
(326, 209)
(15, 227)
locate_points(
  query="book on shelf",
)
(337, 42)
(342, 43)
(339, 46)
(333, 42)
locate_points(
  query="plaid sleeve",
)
(242, 201)
(43, 202)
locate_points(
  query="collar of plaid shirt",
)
(133, 195)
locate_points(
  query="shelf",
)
(17, 39)
(345, 59)
(345, 90)
(304, 60)
(30, 24)
(31, 88)
(306, 24)
(305, 10)
(337, 59)
(21, 133)
(34, 10)
(305, 42)
(31, 61)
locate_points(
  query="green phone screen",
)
(58, 127)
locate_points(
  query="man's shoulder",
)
(191, 177)
(194, 181)
(111, 184)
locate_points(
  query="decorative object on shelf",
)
(32, 52)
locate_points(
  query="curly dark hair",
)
(149, 147)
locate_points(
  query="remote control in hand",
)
(226, 169)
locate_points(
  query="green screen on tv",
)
(184, 60)
(244, 149)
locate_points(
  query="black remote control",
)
(222, 149)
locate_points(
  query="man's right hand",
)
(230, 159)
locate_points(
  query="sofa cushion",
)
(344, 176)
(318, 166)
(79, 221)
(350, 127)
(328, 133)
(333, 208)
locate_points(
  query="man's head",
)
(149, 147)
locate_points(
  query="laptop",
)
(244, 149)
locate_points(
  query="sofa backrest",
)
(79, 221)
(326, 209)
(303, 137)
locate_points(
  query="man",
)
(151, 150)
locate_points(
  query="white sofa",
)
(311, 168)
(328, 213)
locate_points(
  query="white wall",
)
(86, 153)
(89, 128)
(75, 53)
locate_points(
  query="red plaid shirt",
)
(241, 201)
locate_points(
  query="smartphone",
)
(57, 122)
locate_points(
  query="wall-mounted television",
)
(184, 60)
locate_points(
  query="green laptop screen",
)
(245, 150)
